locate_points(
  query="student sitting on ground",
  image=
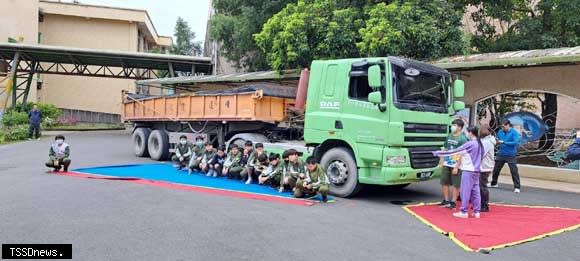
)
(197, 154)
(283, 170)
(59, 154)
(314, 182)
(249, 171)
(294, 170)
(247, 153)
(216, 164)
(232, 167)
(208, 154)
(273, 174)
(183, 152)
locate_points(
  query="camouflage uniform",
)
(233, 164)
(61, 154)
(182, 150)
(317, 179)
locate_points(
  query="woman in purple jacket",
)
(470, 164)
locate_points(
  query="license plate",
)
(425, 175)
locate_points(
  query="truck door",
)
(362, 121)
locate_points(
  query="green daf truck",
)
(367, 120)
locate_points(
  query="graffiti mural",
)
(547, 123)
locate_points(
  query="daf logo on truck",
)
(329, 105)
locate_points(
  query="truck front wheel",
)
(341, 171)
(158, 145)
(140, 139)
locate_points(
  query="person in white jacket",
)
(488, 141)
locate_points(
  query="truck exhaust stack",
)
(302, 89)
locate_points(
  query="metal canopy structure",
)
(23, 61)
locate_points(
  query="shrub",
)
(14, 133)
(48, 110)
(13, 118)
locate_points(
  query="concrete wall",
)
(19, 19)
(563, 79)
(86, 93)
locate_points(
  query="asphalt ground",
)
(116, 220)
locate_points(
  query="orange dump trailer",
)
(244, 106)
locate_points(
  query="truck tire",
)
(158, 145)
(140, 140)
(341, 171)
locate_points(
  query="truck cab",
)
(377, 120)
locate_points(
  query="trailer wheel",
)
(342, 172)
(140, 141)
(158, 145)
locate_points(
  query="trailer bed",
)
(266, 103)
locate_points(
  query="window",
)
(330, 80)
(359, 88)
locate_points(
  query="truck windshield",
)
(417, 89)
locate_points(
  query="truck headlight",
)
(396, 160)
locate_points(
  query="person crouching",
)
(59, 154)
(273, 174)
(314, 182)
(183, 152)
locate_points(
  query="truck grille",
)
(425, 128)
(422, 158)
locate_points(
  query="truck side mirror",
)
(458, 89)
(458, 105)
(374, 77)
(375, 97)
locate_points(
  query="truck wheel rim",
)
(337, 172)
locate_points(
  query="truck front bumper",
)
(396, 176)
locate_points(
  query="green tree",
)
(306, 31)
(417, 29)
(234, 24)
(327, 29)
(524, 24)
(184, 40)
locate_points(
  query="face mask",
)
(286, 161)
(59, 142)
(453, 129)
(183, 142)
(199, 143)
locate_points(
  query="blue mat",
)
(168, 173)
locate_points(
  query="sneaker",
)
(248, 181)
(494, 186)
(488, 185)
(215, 174)
(517, 191)
(208, 174)
(29, 138)
(38, 139)
(484, 209)
(476, 215)
(452, 205)
(444, 203)
(460, 215)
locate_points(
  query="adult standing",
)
(487, 164)
(34, 119)
(509, 140)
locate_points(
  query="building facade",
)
(82, 26)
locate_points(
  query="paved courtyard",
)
(116, 220)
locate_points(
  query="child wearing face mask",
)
(198, 151)
(471, 154)
(450, 172)
(183, 152)
(59, 154)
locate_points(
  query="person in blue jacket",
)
(509, 140)
(34, 119)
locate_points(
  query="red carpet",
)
(504, 226)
